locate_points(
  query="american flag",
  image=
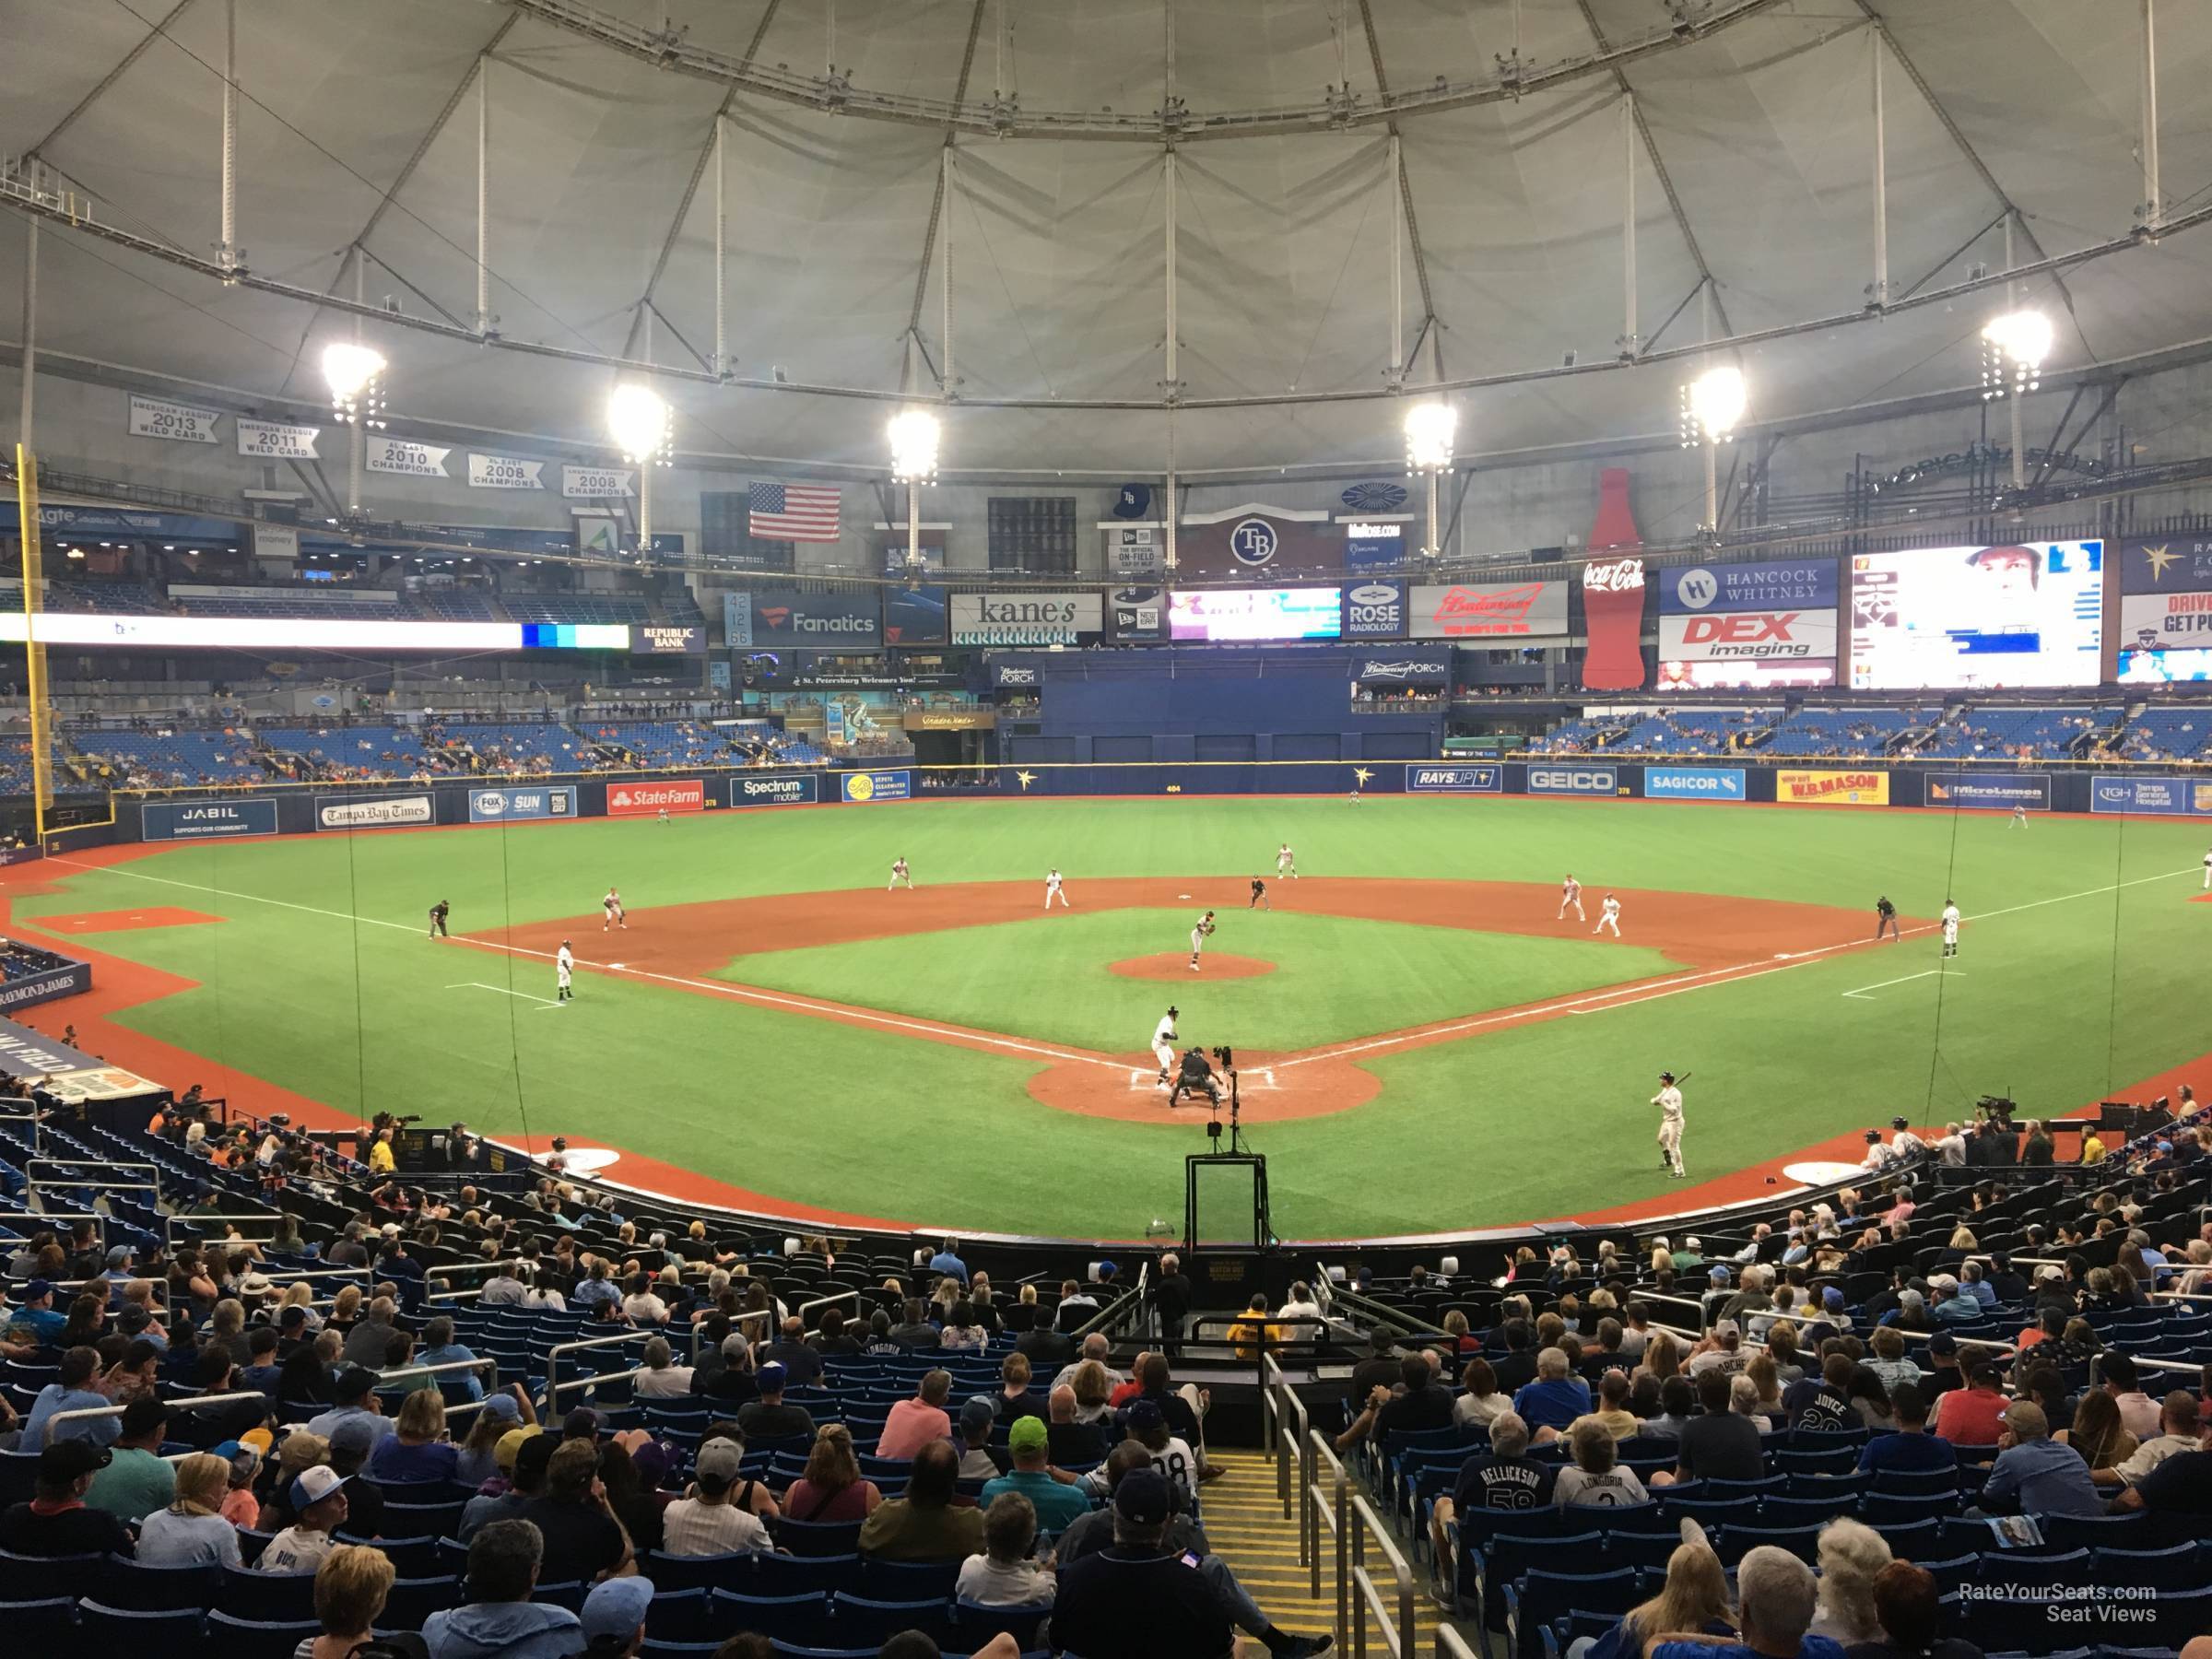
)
(794, 512)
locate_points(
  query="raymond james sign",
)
(1024, 619)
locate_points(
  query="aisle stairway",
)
(1244, 1524)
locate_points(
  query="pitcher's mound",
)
(1176, 965)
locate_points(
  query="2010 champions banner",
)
(522, 805)
(1864, 787)
(206, 820)
(1693, 784)
(1997, 792)
(1428, 777)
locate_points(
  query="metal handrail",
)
(1279, 1407)
(172, 1222)
(554, 1353)
(1330, 1511)
(1397, 1633)
(192, 1403)
(553, 1393)
(829, 1302)
(441, 1368)
(1451, 1644)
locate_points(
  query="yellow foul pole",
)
(42, 740)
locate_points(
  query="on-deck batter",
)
(1164, 1045)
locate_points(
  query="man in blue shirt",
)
(1951, 1307)
(1058, 1506)
(37, 1311)
(74, 1392)
(947, 1261)
(119, 1273)
(1554, 1399)
(354, 1390)
(1911, 1447)
(2036, 1476)
(440, 1349)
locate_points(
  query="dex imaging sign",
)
(1573, 780)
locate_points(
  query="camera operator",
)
(1196, 1074)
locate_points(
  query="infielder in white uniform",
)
(1571, 895)
(2209, 872)
(1164, 1045)
(1608, 916)
(611, 913)
(898, 874)
(1669, 1101)
(1950, 928)
(1051, 892)
(564, 973)
(1285, 863)
(1198, 937)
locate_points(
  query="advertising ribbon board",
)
(658, 796)
(1748, 636)
(863, 788)
(206, 820)
(373, 812)
(1723, 590)
(1025, 618)
(1489, 610)
(667, 639)
(1865, 787)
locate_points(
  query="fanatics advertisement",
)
(785, 616)
(1250, 614)
(372, 812)
(1025, 618)
(650, 800)
(520, 805)
(1749, 636)
(1426, 777)
(864, 787)
(1729, 673)
(1797, 584)
(775, 789)
(1489, 611)
(1693, 783)
(1998, 792)
(2019, 614)
(2162, 797)
(1863, 788)
(206, 820)
(1374, 609)
(1572, 780)
(2171, 564)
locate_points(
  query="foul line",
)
(501, 989)
(1908, 979)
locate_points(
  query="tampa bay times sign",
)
(1024, 619)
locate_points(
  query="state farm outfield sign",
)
(1025, 618)
(372, 812)
(661, 794)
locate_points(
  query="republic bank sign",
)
(1024, 619)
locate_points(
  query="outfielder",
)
(2209, 871)
(1199, 935)
(900, 873)
(1608, 916)
(1570, 894)
(1053, 890)
(1285, 863)
(2020, 816)
(1950, 928)
(1164, 1045)
(564, 974)
(1885, 920)
(1669, 1101)
(611, 913)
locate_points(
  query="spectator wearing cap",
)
(353, 1391)
(704, 1521)
(614, 1617)
(913, 1423)
(521, 1454)
(1725, 1353)
(980, 1460)
(500, 1620)
(768, 1418)
(1944, 1375)
(1056, 1504)
(925, 1525)
(73, 1389)
(138, 1480)
(476, 1461)
(582, 1537)
(241, 1507)
(832, 1489)
(1380, 1368)
(37, 1310)
(1133, 1600)
(1418, 1401)
(57, 1521)
(1973, 1415)
(118, 1274)
(190, 1531)
(352, 1444)
(1951, 1306)
(2035, 1474)
(1776, 1593)
(317, 1501)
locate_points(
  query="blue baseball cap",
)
(616, 1608)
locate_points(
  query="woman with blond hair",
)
(1851, 1555)
(1093, 1384)
(416, 1449)
(1694, 1598)
(301, 1294)
(346, 1309)
(192, 1531)
(1766, 1379)
(832, 1487)
(350, 1588)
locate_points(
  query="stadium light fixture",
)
(1712, 408)
(913, 435)
(1429, 430)
(2013, 347)
(356, 377)
(638, 420)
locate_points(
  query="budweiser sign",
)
(1617, 576)
(1475, 609)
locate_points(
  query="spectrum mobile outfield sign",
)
(1863, 788)
(1998, 791)
(1573, 780)
(206, 820)
(1693, 783)
(1425, 778)
(520, 805)
(775, 789)
(373, 812)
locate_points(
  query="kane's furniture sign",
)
(1999, 792)
(661, 794)
(1693, 783)
(786, 616)
(372, 812)
(862, 788)
(1573, 780)
(180, 423)
(205, 821)
(775, 789)
(1489, 611)
(1424, 777)
(1025, 618)
(519, 805)
(1863, 788)
(2161, 798)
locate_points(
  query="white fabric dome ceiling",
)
(1761, 122)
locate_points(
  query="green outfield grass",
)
(2083, 968)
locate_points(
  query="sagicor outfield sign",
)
(1693, 783)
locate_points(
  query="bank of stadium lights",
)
(638, 420)
(1712, 408)
(2013, 349)
(356, 377)
(913, 435)
(1428, 431)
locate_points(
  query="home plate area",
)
(1249, 1079)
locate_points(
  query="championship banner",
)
(522, 805)
(1693, 784)
(1788, 584)
(862, 788)
(504, 472)
(1996, 791)
(1572, 780)
(1425, 777)
(1374, 609)
(272, 440)
(2155, 621)
(1489, 610)
(1749, 636)
(404, 456)
(579, 483)
(205, 821)
(1864, 788)
(651, 799)
(372, 812)
(2171, 564)
(775, 789)
(180, 423)
(1025, 618)
(2161, 797)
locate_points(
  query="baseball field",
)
(1423, 1045)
